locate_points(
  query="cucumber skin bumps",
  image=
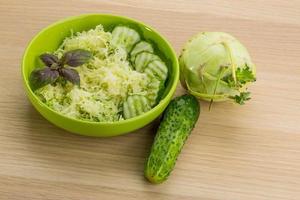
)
(178, 121)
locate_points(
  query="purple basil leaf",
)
(70, 75)
(77, 57)
(49, 59)
(41, 77)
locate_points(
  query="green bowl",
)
(52, 36)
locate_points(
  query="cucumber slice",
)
(153, 89)
(135, 105)
(145, 104)
(126, 112)
(131, 106)
(142, 59)
(157, 69)
(140, 47)
(160, 93)
(125, 37)
(138, 105)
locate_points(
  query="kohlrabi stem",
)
(203, 95)
(216, 86)
(202, 77)
(233, 64)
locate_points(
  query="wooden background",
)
(234, 153)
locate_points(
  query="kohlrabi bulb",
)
(215, 66)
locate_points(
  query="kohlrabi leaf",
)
(49, 59)
(41, 77)
(229, 80)
(70, 75)
(240, 99)
(75, 58)
(245, 75)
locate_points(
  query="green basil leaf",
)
(70, 75)
(75, 58)
(41, 77)
(49, 59)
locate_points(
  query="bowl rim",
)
(156, 108)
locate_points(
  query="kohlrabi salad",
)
(101, 76)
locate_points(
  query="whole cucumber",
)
(178, 121)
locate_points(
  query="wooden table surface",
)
(235, 152)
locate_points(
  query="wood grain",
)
(235, 152)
